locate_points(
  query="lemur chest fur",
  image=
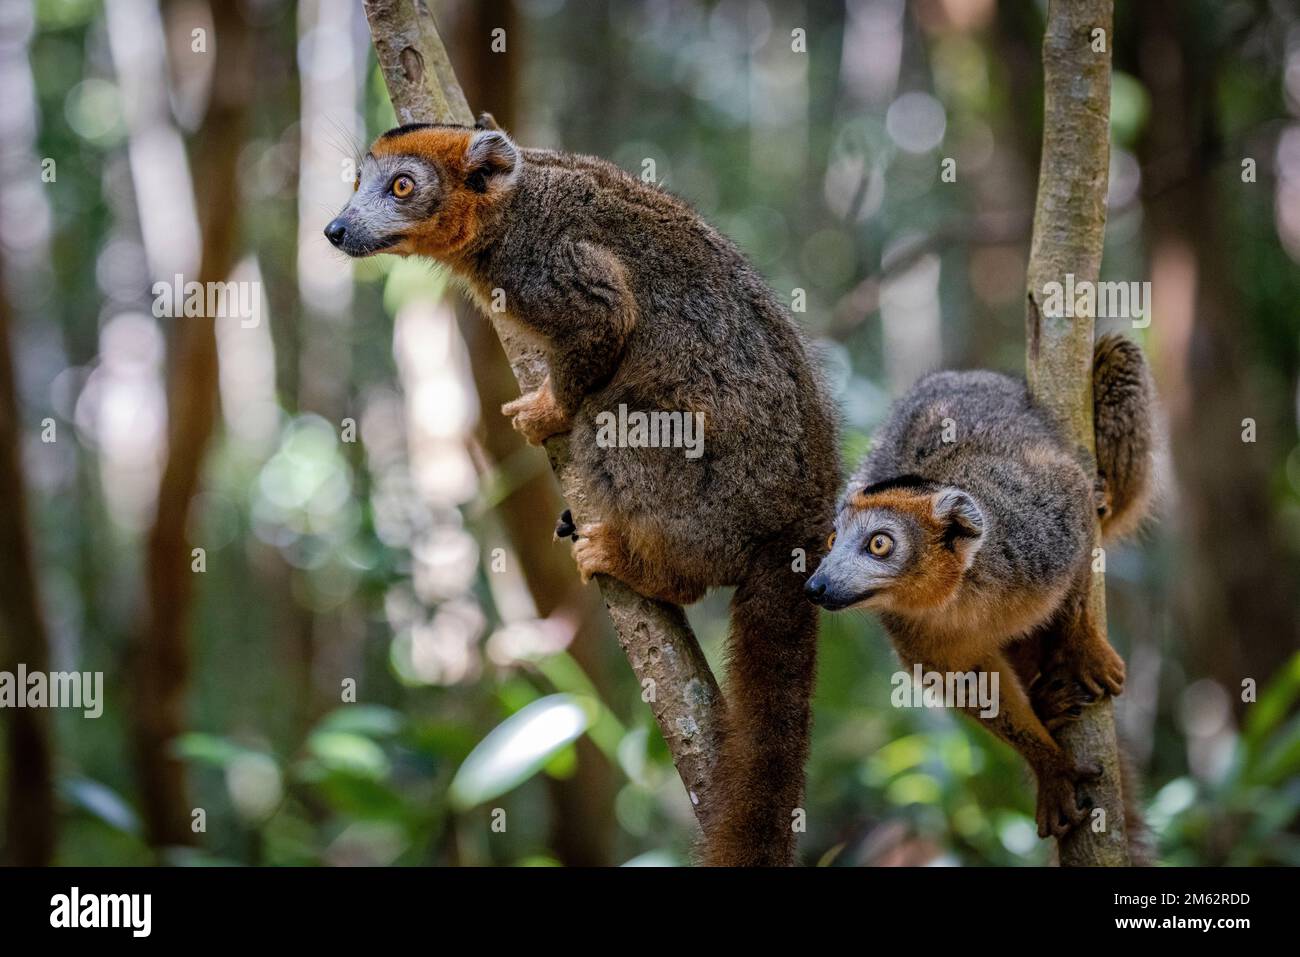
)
(965, 630)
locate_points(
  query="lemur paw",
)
(1078, 677)
(564, 528)
(537, 415)
(1059, 811)
(1098, 667)
(1058, 700)
(595, 551)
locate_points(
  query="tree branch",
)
(655, 636)
(1069, 228)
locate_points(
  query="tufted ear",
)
(491, 161)
(962, 522)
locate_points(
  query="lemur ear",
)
(491, 160)
(961, 520)
(486, 121)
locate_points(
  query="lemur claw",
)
(1059, 811)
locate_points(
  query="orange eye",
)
(880, 545)
(403, 187)
(830, 542)
(356, 183)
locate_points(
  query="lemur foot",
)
(1092, 664)
(1058, 700)
(537, 415)
(565, 528)
(1058, 810)
(597, 551)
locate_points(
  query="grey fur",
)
(993, 518)
(1037, 511)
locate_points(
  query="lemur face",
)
(423, 190)
(393, 195)
(898, 548)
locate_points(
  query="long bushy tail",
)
(1123, 411)
(772, 655)
(1123, 400)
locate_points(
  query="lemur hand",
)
(537, 415)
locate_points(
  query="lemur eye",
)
(830, 542)
(880, 545)
(356, 183)
(403, 187)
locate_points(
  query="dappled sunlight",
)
(122, 411)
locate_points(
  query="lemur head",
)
(902, 546)
(425, 189)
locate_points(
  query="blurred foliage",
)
(326, 560)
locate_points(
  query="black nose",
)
(815, 589)
(335, 232)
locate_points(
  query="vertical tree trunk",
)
(582, 826)
(1069, 228)
(29, 792)
(161, 656)
(655, 637)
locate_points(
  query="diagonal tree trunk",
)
(655, 637)
(1069, 228)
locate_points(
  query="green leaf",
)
(210, 749)
(101, 802)
(563, 671)
(1280, 760)
(347, 753)
(369, 720)
(563, 764)
(1129, 107)
(519, 747)
(1274, 703)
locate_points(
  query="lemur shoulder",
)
(636, 301)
